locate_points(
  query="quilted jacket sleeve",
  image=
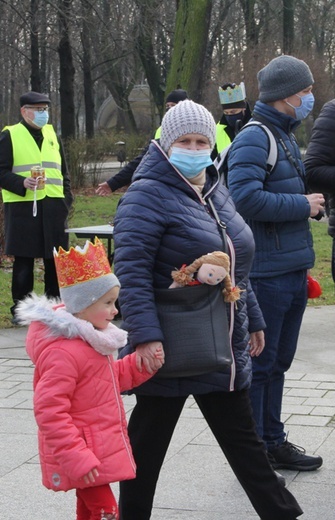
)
(247, 160)
(138, 231)
(320, 155)
(128, 374)
(256, 320)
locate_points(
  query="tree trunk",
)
(35, 78)
(87, 70)
(190, 41)
(67, 71)
(145, 48)
(116, 82)
(288, 26)
(45, 80)
(248, 8)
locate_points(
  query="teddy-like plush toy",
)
(212, 269)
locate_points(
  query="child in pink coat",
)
(82, 427)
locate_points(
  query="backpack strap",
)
(221, 158)
(221, 161)
(273, 146)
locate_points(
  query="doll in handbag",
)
(212, 269)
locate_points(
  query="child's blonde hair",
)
(184, 275)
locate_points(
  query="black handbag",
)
(194, 321)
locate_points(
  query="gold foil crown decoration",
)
(79, 265)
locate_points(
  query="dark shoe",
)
(281, 478)
(290, 456)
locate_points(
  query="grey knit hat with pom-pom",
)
(187, 118)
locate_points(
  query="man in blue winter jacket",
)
(277, 208)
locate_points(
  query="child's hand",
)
(146, 355)
(89, 477)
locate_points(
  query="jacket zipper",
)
(118, 397)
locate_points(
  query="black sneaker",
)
(290, 456)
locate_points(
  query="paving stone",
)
(306, 392)
(310, 420)
(296, 409)
(323, 410)
(196, 480)
(326, 386)
(301, 384)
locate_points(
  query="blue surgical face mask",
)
(190, 162)
(306, 106)
(40, 118)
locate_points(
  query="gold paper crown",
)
(80, 265)
(232, 95)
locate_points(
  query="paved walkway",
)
(196, 481)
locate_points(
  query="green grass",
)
(90, 209)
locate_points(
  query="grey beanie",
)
(82, 295)
(187, 118)
(283, 77)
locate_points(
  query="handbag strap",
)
(226, 249)
(221, 225)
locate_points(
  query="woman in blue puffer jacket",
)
(164, 221)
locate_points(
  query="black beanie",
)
(177, 95)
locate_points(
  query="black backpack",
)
(221, 161)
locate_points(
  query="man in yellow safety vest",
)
(36, 194)
(236, 113)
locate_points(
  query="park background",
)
(108, 65)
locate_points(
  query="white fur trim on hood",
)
(62, 323)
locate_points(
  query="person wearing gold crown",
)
(82, 428)
(236, 113)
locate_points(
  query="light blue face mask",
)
(190, 162)
(40, 118)
(306, 106)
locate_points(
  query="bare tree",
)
(67, 70)
(35, 78)
(288, 26)
(147, 16)
(81, 51)
(87, 67)
(189, 49)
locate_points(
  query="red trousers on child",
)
(96, 503)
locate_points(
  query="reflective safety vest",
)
(222, 138)
(158, 132)
(27, 154)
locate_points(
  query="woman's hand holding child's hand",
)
(151, 355)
